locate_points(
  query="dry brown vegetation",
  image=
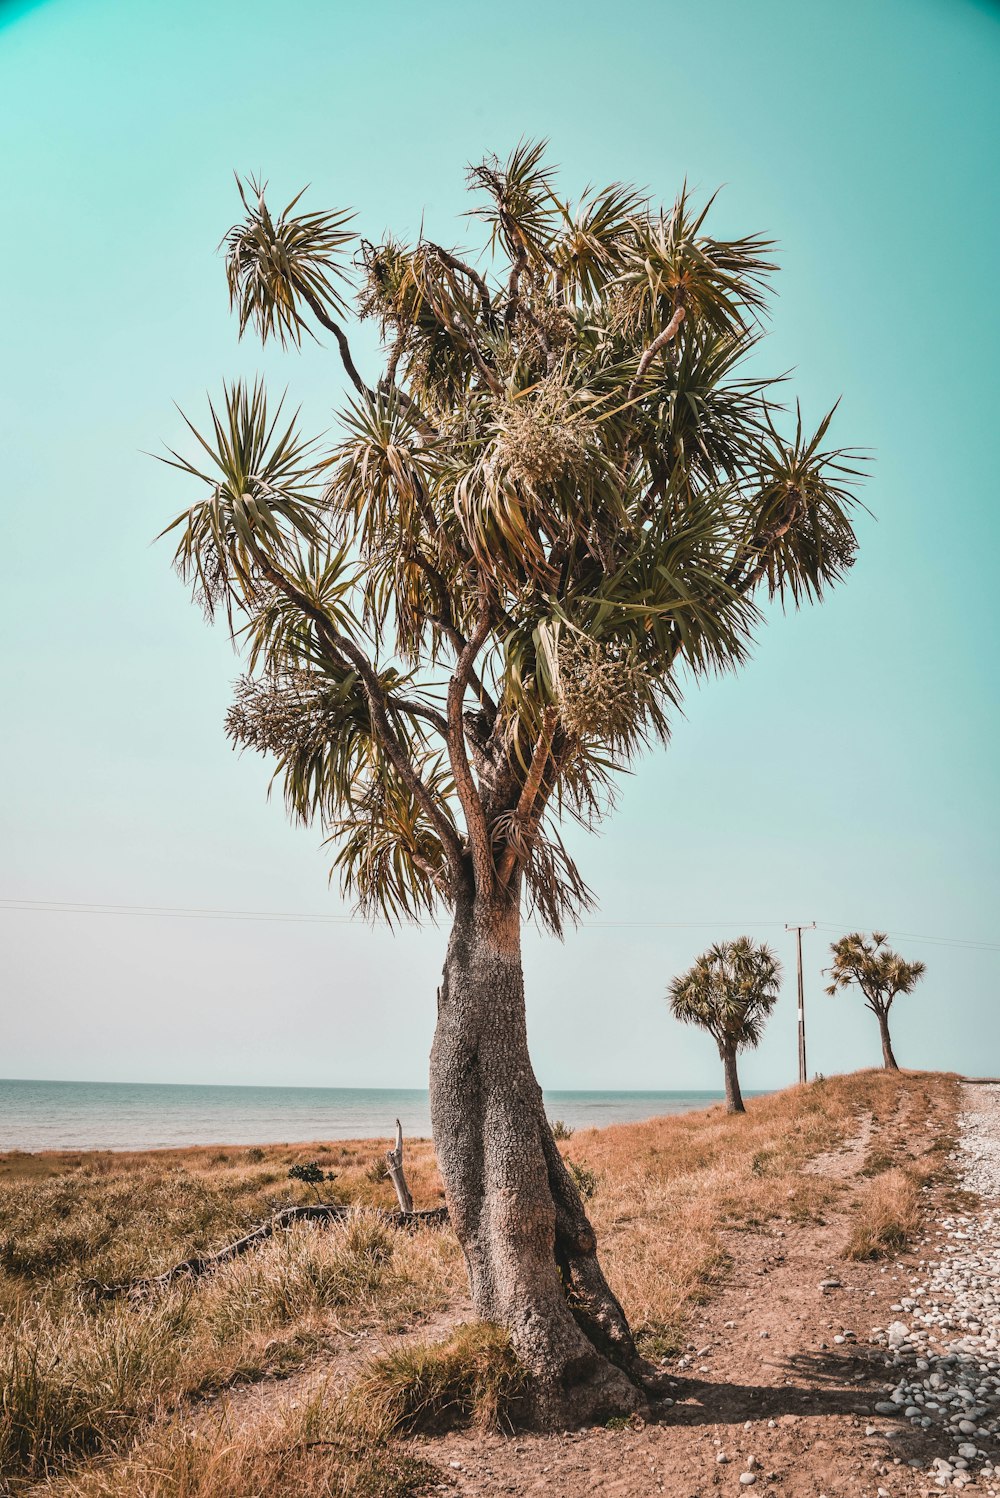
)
(672, 1191)
(104, 1400)
(294, 1453)
(887, 1216)
(888, 1212)
(81, 1377)
(472, 1377)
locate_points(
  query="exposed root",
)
(602, 1392)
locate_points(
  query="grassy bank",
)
(105, 1399)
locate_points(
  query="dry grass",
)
(79, 1378)
(671, 1192)
(910, 1149)
(472, 1378)
(96, 1398)
(305, 1453)
(887, 1217)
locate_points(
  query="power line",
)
(188, 912)
(971, 943)
(210, 913)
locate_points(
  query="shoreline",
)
(15, 1162)
(65, 1118)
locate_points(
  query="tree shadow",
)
(824, 1384)
(816, 1385)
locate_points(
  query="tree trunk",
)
(734, 1097)
(888, 1059)
(529, 1247)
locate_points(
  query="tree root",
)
(199, 1264)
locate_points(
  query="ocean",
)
(145, 1115)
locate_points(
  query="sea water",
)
(149, 1115)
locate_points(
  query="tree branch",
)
(530, 789)
(453, 263)
(445, 622)
(760, 547)
(468, 793)
(434, 875)
(519, 266)
(394, 357)
(458, 324)
(444, 297)
(419, 710)
(661, 340)
(320, 313)
(407, 401)
(380, 704)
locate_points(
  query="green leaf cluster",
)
(568, 493)
(730, 992)
(870, 964)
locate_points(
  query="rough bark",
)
(529, 1247)
(888, 1059)
(734, 1097)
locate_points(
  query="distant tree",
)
(879, 972)
(730, 991)
(563, 498)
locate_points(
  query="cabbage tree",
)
(562, 495)
(880, 973)
(730, 992)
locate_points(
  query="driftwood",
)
(394, 1162)
(321, 1212)
(200, 1264)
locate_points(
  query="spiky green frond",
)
(568, 459)
(260, 498)
(730, 992)
(522, 211)
(332, 769)
(671, 263)
(278, 635)
(801, 534)
(589, 250)
(388, 857)
(380, 475)
(279, 266)
(869, 963)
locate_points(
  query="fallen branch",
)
(200, 1264)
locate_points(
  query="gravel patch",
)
(945, 1346)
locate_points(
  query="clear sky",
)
(847, 776)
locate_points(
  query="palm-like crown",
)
(563, 498)
(730, 992)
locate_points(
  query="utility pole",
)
(808, 926)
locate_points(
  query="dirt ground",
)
(778, 1383)
(767, 1389)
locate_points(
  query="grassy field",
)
(103, 1399)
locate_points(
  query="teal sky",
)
(847, 776)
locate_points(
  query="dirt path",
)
(775, 1393)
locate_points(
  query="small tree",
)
(880, 973)
(312, 1175)
(730, 991)
(562, 498)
